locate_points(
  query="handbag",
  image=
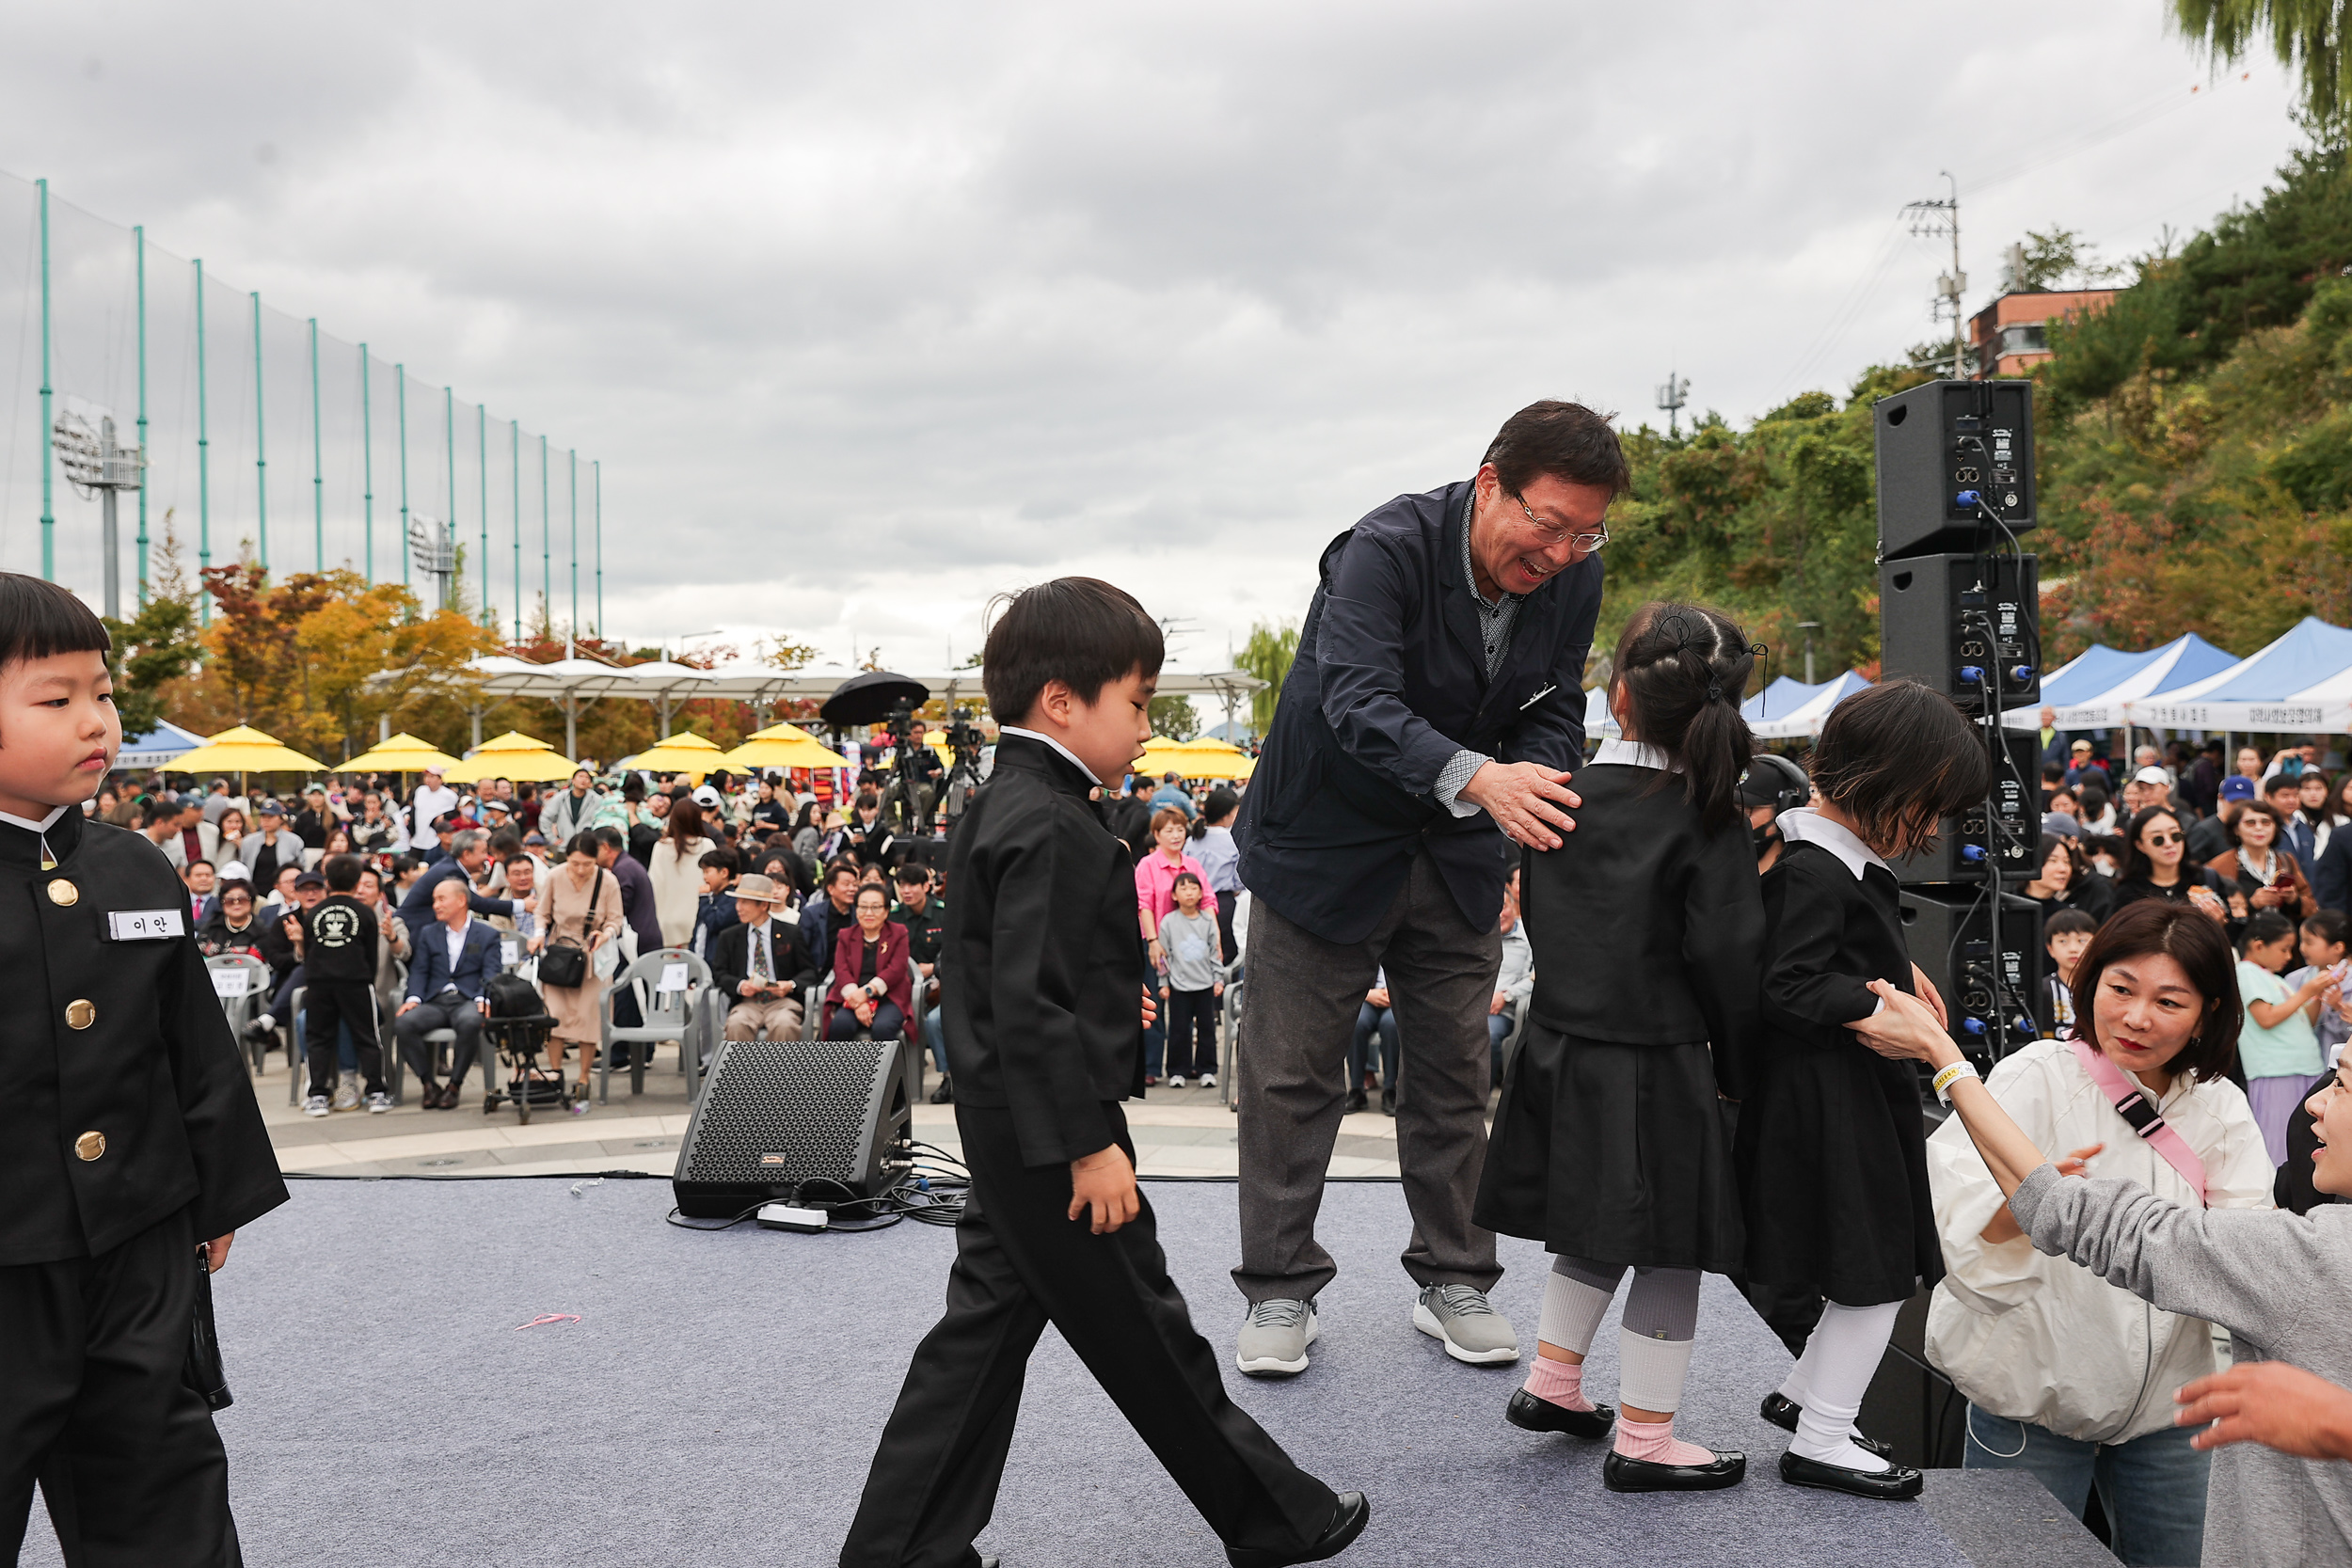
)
(2132, 1104)
(565, 962)
(202, 1370)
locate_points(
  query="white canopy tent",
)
(2101, 687)
(1805, 718)
(2301, 683)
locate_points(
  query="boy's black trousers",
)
(1022, 1263)
(326, 1003)
(92, 1406)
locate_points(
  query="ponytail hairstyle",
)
(1681, 669)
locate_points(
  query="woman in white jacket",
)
(675, 864)
(2066, 1376)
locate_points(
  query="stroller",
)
(517, 1026)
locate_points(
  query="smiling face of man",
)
(1519, 543)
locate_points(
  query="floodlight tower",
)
(1671, 396)
(433, 546)
(94, 464)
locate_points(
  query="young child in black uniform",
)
(1044, 1037)
(131, 1146)
(339, 937)
(1833, 1147)
(1611, 1142)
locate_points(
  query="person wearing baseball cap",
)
(272, 845)
(760, 965)
(2086, 769)
(2210, 839)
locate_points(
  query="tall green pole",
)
(574, 488)
(399, 394)
(203, 456)
(515, 465)
(138, 251)
(318, 460)
(367, 465)
(595, 475)
(48, 425)
(449, 461)
(547, 557)
(482, 446)
(260, 447)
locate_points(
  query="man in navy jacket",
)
(445, 992)
(1427, 728)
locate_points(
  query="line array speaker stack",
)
(1960, 611)
(778, 1117)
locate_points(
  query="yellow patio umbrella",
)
(401, 753)
(782, 745)
(512, 755)
(244, 749)
(1211, 759)
(683, 752)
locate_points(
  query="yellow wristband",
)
(1943, 1080)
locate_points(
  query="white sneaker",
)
(1176, 1081)
(314, 1106)
(379, 1103)
(346, 1092)
(1208, 1079)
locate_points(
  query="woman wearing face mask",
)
(2281, 1283)
(2066, 1376)
(2159, 867)
(2066, 880)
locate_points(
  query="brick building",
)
(2010, 333)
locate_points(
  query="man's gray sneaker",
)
(1472, 1330)
(1275, 1336)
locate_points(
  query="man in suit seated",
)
(759, 965)
(455, 960)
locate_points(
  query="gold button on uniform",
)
(63, 892)
(89, 1145)
(81, 1012)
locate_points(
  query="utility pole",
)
(203, 461)
(1808, 628)
(318, 461)
(1671, 397)
(367, 466)
(261, 445)
(1934, 220)
(138, 252)
(48, 432)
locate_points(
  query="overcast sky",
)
(868, 313)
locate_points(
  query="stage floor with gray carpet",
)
(718, 1397)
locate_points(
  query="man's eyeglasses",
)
(1553, 535)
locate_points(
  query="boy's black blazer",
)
(1041, 964)
(123, 1096)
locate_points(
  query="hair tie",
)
(1714, 693)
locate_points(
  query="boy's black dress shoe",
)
(1535, 1413)
(1620, 1473)
(1891, 1485)
(1783, 1413)
(1347, 1522)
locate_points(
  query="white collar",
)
(1634, 753)
(459, 932)
(1804, 825)
(1033, 735)
(30, 825)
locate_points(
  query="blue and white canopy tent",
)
(2302, 683)
(1805, 718)
(157, 747)
(1776, 700)
(2099, 688)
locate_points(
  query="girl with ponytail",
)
(1612, 1145)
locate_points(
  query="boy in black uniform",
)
(1044, 1039)
(338, 971)
(128, 1132)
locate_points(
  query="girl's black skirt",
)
(1614, 1154)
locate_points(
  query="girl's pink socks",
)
(1560, 1383)
(1656, 1442)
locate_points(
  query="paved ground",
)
(1177, 1132)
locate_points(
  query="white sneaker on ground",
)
(1472, 1330)
(1176, 1081)
(346, 1092)
(379, 1103)
(315, 1106)
(1275, 1336)
(1208, 1079)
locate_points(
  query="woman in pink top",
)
(1155, 877)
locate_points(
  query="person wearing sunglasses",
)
(1425, 733)
(2158, 865)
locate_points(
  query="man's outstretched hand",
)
(1528, 801)
(2272, 1403)
(1103, 1182)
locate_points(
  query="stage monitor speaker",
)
(1955, 466)
(1967, 848)
(1963, 625)
(1948, 930)
(779, 1117)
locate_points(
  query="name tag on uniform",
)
(145, 924)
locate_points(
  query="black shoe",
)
(1620, 1473)
(1357, 1099)
(946, 1094)
(1347, 1522)
(1532, 1413)
(1783, 1413)
(1388, 1101)
(1893, 1485)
